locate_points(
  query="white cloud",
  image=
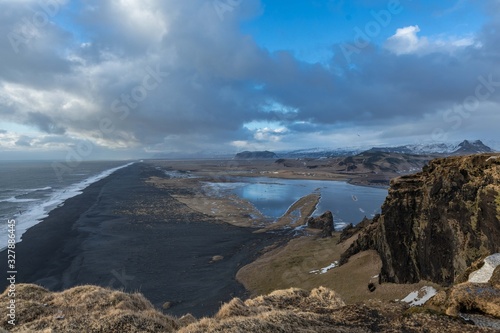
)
(270, 134)
(143, 19)
(407, 41)
(240, 144)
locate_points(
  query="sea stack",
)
(323, 222)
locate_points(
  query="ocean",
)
(29, 190)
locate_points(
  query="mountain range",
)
(435, 149)
(465, 147)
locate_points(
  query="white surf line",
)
(37, 213)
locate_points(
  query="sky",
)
(123, 79)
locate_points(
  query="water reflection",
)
(348, 203)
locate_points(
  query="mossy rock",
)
(495, 278)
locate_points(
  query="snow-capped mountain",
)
(445, 149)
(472, 147)
(463, 148)
(320, 152)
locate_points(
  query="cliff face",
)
(436, 223)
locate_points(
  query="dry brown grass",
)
(84, 309)
(319, 300)
(292, 310)
(95, 309)
(321, 310)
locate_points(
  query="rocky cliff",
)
(436, 223)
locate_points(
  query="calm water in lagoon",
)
(348, 203)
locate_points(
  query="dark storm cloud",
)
(23, 141)
(164, 74)
(44, 123)
(29, 47)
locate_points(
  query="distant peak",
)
(474, 142)
(472, 147)
(255, 155)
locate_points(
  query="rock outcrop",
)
(477, 299)
(436, 223)
(323, 222)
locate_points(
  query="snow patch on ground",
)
(484, 274)
(417, 298)
(325, 269)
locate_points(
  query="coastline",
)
(123, 233)
(35, 201)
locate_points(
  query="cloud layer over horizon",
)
(139, 77)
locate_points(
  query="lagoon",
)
(272, 197)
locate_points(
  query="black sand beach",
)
(125, 234)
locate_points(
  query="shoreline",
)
(30, 204)
(123, 233)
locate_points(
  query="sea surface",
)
(273, 196)
(29, 190)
